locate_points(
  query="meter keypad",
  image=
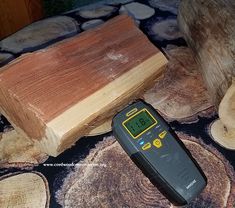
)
(153, 139)
(162, 134)
(146, 146)
(157, 143)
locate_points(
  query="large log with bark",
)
(57, 95)
(209, 29)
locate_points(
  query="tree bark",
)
(209, 29)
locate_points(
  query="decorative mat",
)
(96, 172)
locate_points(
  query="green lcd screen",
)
(139, 123)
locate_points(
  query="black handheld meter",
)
(158, 152)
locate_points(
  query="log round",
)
(108, 178)
(209, 29)
(22, 190)
(183, 95)
(223, 129)
(16, 151)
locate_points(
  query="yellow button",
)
(146, 146)
(162, 134)
(157, 143)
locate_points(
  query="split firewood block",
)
(57, 95)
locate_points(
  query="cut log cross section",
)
(24, 189)
(223, 130)
(57, 95)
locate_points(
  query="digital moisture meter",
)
(158, 152)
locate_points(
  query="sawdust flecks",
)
(114, 56)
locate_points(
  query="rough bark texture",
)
(209, 29)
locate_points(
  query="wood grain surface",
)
(122, 184)
(67, 86)
(18, 152)
(181, 94)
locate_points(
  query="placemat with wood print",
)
(96, 172)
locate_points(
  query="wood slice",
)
(23, 190)
(220, 190)
(166, 5)
(137, 10)
(17, 151)
(223, 130)
(96, 11)
(40, 33)
(181, 93)
(209, 29)
(221, 136)
(57, 95)
(108, 178)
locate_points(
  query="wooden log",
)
(209, 29)
(57, 95)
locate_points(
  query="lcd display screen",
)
(139, 123)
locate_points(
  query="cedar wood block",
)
(55, 95)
